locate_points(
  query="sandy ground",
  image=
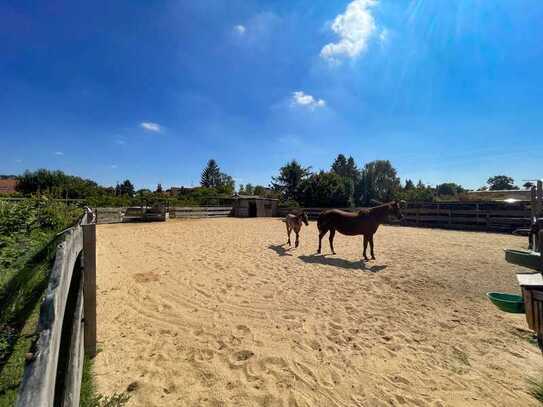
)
(220, 313)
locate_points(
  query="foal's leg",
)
(365, 247)
(297, 237)
(371, 247)
(288, 233)
(332, 234)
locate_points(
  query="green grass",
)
(89, 397)
(536, 389)
(27, 249)
(11, 373)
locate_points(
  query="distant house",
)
(7, 186)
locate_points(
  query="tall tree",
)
(249, 189)
(325, 189)
(449, 189)
(226, 184)
(409, 185)
(125, 188)
(289, 179)
(159, 189)
(211, 175)
(345, 167)
(501, 182)
(379, 181)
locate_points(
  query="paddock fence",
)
(67, 322)
(138, 214)
(482, 216)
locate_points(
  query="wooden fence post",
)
(89, 287)
(539, 199)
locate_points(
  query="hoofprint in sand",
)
(220, 312)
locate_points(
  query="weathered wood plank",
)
(74, 374)
(89, 286)
(38, 384)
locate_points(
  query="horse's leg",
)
(332, 234)
(371, 248)
(297, 237)
(288, 233)
(321, 235)
(365, 247)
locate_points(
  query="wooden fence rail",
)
(488, 216)
(118, 215)
(200, 212)
(67, 323)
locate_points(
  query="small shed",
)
(252, 206)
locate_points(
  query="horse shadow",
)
(280, 249)
(341, 263)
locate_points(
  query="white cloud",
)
(383, 36)
(113, 166)
(302, 99)
(59, 153)
(150, 126)
(354, 28)
(240, 29)
(18, 161)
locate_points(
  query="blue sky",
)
(446, 90)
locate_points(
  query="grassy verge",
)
(27, 249)
(89, 397)
(13, 367)
(536, 389)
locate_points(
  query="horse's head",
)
(394, 208)
(304, 218)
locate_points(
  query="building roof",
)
(237, 196)
(7, 186)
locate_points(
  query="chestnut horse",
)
(294, 222)
(364, 222)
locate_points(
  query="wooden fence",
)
(312, 213)
(487, 216)
(200, 212)
(119, 215)
(67, 322)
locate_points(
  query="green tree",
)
(409, 185)
(345, 167)
(449, 189)
(379, 181)
(528, 185)
(210, 175)
(501, 182)
(125, 188)
(226, 184)
(158, 189)
(325, 189)
(249, 189)
(287, 183)
(418, 193)
(56, 183)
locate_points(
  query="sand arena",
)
(220, 313)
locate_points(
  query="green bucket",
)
(507, 302)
